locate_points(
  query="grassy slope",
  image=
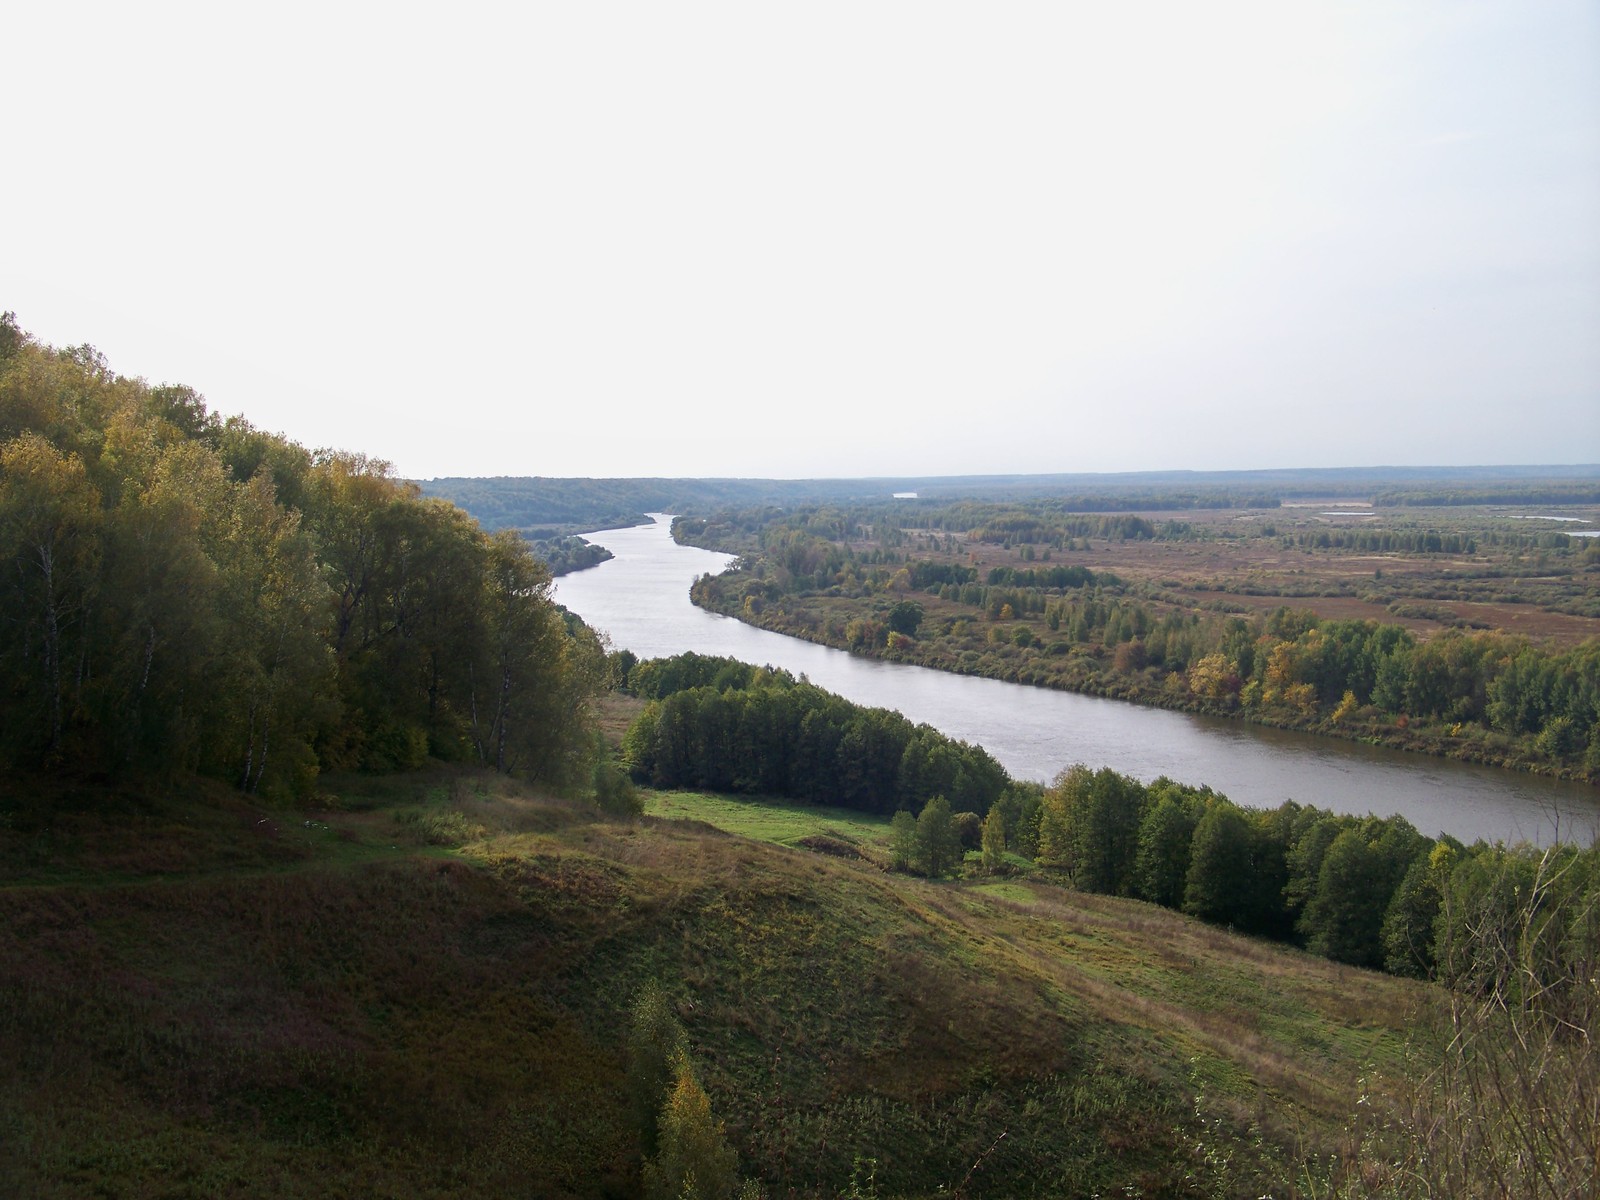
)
(424, 992)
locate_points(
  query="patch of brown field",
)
(1291, 575)
(1530, 621)
(614, 713)
(1527, 620)
(1329, 608)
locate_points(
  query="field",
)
(1240, 560)
(786, 824)
(423, 989)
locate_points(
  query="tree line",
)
(1386, 541)
(1368, 891)
(721, 725)
(183, 593)
(564, 555)
(1571, 491)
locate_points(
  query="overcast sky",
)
(826, 239)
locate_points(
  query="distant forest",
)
(543, 508)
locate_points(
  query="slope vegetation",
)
(425, 990)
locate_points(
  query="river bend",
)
(640, 599)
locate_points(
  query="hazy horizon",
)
(1466, 469)
(844, 241)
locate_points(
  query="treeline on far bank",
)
(182, 593)
(1369, 891)
(1480, 695)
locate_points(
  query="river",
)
(640, 599)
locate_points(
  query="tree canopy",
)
(180, 592)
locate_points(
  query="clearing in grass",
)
(769, 820)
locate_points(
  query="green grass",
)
(770, 820)
(1015, 893)
(422, 989)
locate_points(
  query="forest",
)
(184, 594)
(1420, 647)
(725, 726)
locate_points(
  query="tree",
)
(275, 674)
(657, 1043)
(614, 793)
(1090, 827)
(694, 1160)
(1021, 804)
(1408, 925)
(903, 840)
(937, 847)
(1220, 867)
(1343, 919)
(1161, 865)
(1509, 1107)
(994, 841)
(1305, 857)
(531, 695)
(967, 828)
(349, 492)
(50, 548)
(905, 618)
(1214, 678)
(11, 337)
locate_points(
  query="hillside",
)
(424, 989)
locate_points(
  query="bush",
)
(614, 793)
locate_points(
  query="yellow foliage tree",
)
(1213, 677)
(695, 1161)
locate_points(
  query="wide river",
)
(641, 599)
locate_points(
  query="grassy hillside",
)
(424, 990)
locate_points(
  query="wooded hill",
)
(180, 593)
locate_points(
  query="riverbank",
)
(1029, 661)
(641, 602)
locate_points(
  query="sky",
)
(826, 239)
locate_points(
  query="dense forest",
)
(180, 593)
(725, 726)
